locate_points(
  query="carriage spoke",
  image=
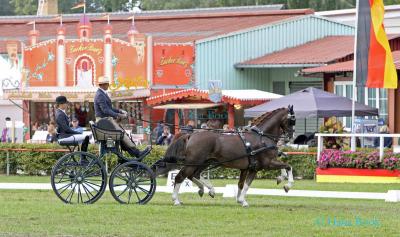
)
(65, 188)
(143, 190)
(87, 192)
(137, 195)
(92, 183)
(130, 194)
(79, 192)
(121, 177)
(71, 194)
(92, 187)
(123, 191)
(118, 185)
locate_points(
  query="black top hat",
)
(61, 99)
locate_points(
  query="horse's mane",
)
(265, 116)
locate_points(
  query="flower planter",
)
(352, 175)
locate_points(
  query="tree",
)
(24, 7)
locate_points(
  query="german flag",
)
(374, 61)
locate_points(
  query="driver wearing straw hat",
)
(106, 115)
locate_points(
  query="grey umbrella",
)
(312, 102)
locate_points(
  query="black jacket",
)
(63, 128)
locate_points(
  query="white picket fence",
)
(353, 136)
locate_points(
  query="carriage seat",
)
(74, 141)
(102, 135)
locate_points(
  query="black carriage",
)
(81, 177)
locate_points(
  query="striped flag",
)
(79, 5)
(374, 60)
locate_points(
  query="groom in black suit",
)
(64, 131)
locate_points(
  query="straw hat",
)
(103, 80)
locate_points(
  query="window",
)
(373, 97)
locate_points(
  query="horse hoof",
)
(286, 188)
(278, 180)
(212, 194)
(177, 203)
(245, 204)
(201, 192)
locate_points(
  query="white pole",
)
(353, 138)
(381, 147)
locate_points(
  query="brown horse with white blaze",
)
(249, 151)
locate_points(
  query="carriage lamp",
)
(110, 142)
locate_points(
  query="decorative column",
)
(176, 121)
(107, 66)
(61, 67)
(231, 116)
(33, 37)
(26, 118)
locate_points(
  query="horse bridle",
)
(286, 131)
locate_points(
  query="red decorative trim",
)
(202, 94)
(358, 172)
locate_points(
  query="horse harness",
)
(252, 153)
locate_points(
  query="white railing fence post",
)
(353, 143)
(381, 143)
(319, 146)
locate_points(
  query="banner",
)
(173, 65)
(374, 61)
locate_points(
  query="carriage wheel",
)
(132, 182)
(79, 177)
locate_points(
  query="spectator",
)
(80, 114)
(159, 129)
(5, 134)
(226, 128)
(35, 126)
(189, 128)
(166, 137)
(75, 125)
(52, 135)
(387, 141)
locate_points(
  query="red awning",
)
(242, 97)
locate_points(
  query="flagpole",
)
(353, 106)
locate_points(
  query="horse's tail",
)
(175, 152)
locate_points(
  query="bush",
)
(39, 163)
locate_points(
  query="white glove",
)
(123, 111)
(123, 116)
